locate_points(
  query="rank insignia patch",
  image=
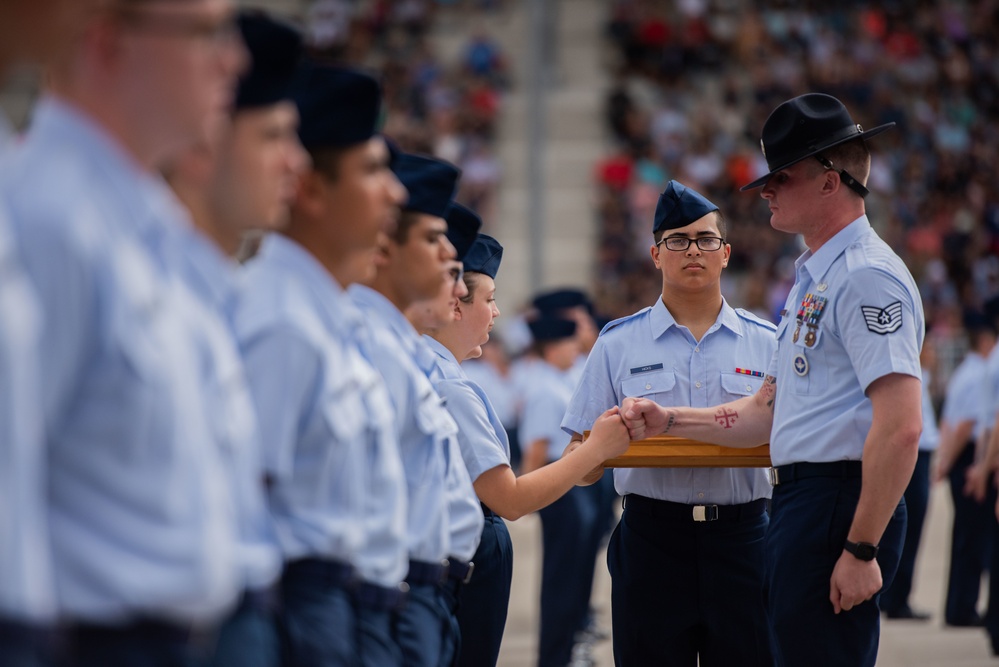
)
(883, 320)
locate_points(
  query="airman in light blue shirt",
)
(141, 516)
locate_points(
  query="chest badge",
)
(800, 365)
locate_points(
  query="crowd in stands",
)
(694, 82)
(447, 109)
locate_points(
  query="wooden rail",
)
(667, 451)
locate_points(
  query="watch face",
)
(862, 550)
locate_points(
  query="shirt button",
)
(697, 384)
(700, 495)
(648, 386)
(749, 387)
(697, 349)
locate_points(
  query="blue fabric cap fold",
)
(463, 225)
(275, 49)
(484, 256)
(338, 107)
(431, 183)
(679, 206)
(548, 327)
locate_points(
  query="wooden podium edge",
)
(667, 451)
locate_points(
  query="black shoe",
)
(906, 613)
(975, 621)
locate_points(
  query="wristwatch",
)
(862, 550)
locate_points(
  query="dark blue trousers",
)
(23, 645)
(809, 523)
(449, 599)
(140, 644)
(319, 621)
(376, 643)
(486, 597)
(917, 496)
(970, 542)
(683, 589)
(567, 530)
(249, 637)
(420, 627)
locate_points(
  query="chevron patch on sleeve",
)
(883, 320)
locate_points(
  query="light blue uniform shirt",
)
(502, 392)
(26, 587)
(871, 325)
(988, 403)
(964, 392)
(649, 355)
(465, 519)
(481, 435)
(212, 277)
(141, 518)
(326, 420)
(544, 407)
(929, 439)
(423, 424)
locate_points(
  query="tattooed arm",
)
(742, 423)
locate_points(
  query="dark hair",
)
(719, 218)
(326, 161)
(471, 279)
(407, 220)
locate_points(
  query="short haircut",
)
(853, 157)
(326, 160)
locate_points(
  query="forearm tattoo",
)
(726, 417)
(769, 390)
(671, 421)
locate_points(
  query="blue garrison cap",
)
(338, 107)
(275, 49)
(679, 206)
(463, 226)
(484, 256)
(548, 327)
(431, 183)
(562, 299)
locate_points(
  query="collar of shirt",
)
(816, 264)
(213, 274)
(661, 319)
(339, 312)
(388, 314)
(442, 352)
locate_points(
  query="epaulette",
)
(756, 319)
(613, 323)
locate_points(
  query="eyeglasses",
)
(681, 243)
(457, 272)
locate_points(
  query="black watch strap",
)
(862, 550)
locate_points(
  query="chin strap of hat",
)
(845, 176)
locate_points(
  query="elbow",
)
(511, 514)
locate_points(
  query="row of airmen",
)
(274, 462)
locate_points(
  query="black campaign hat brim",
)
(867, 134)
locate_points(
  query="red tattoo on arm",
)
(726, 417)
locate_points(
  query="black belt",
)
(459, 570)
(144, 629)
(795, 471)
(664, 509)
(328, 572)
(422, 573)
(381, 598)
(486, 512)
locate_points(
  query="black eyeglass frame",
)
(697, 241)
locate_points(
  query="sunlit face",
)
(692, 269)
(479, 315)
(361, 201)
(259, 162)
(180, 62)
(421, 266)
(790, 194)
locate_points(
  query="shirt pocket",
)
(737, 385)
(436, 425)
(658, 386)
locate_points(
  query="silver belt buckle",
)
(705, 513)
(773, 476)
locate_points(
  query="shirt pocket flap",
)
(345, 414)
(647, 384)
(432, 417)
(743, 385)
